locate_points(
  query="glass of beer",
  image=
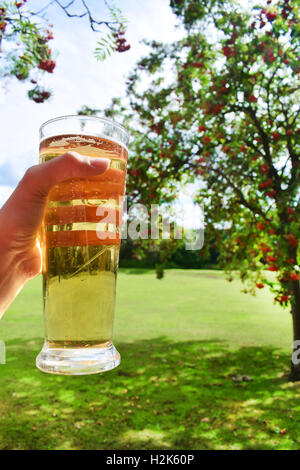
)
(80, 241)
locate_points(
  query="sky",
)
(78, 78)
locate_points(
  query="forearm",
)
(17, 265)
(11, 277)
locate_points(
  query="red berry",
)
(273, 268)
(290, 210)
(217, 108)
(272, 259)
(259, 285)
(294, 277)
(49, 36)
(265, 184)
(272, 193)
(228, 51)
(47, 65)
(269, 56)
(197, 65)
(252, 98)
(283, 298)
(264, 168)
(271, 15)
(276, 136)
(292, 240)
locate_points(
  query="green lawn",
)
(203, 367)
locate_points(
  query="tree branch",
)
(239, 193)
(87, 13)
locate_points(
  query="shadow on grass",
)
(137, 270)
(165, 395)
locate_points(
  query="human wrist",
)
(12, 276)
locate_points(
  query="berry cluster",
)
(3, 23)
(121, 45)
(47, 65)
(20, 4)
(38, 95)
(49, 35)
(228, 51)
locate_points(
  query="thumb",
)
(23, 212)
(39, 179)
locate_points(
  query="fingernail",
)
(99, 163)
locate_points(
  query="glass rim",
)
(90, 118)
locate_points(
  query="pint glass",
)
(80, 241)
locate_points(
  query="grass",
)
(203, 367)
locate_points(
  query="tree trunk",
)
(295, 364)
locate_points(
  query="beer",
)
(80, 242)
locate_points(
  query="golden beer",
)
(80, 243)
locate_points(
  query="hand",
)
(21, 218)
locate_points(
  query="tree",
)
(25, 34)
(221, 106)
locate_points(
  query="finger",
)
(41, 178)
(25, 207)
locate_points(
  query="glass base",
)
(77, 361)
